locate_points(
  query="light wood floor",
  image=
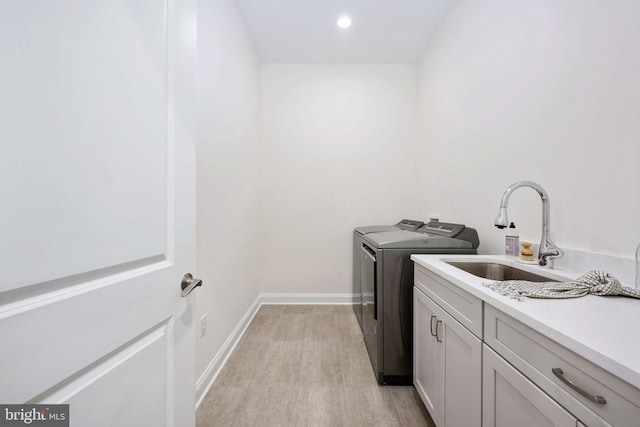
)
(300, 365)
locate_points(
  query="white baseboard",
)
(306, 299)
(204, 383)
(209, 375)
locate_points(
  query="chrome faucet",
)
(548, 251)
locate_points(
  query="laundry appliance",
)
(386, 280)
(358, 232)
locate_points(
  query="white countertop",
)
(603, 330)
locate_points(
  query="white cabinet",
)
(510, 399)
(426, 357)
(447, 365)
(591, 394)
(518, 377)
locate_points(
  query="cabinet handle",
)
(438, 323)
(433, 317)
(595, 399)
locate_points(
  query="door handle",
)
(188, 284)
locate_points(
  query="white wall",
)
(227, 182)
(338, 151)
(538, 90)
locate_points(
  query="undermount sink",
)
(498, 272)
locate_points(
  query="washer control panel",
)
(442, 228)
(409, 224)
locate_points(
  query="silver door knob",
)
(188, 284)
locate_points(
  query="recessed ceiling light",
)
(344, 22)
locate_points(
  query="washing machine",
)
(386, 280)
(358, 232)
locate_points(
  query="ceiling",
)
(305, 31)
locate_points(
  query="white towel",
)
(595, 282)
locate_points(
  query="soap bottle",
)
(512, 242)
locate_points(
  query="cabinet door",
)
(510, 399)
(462, 374)
(426, 354)
(447, 365)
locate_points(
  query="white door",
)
(97, 216)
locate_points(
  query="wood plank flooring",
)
(305, 365)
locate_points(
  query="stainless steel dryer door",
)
(369, 302)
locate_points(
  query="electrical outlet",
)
(203, 325)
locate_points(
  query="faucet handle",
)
(547, 254)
